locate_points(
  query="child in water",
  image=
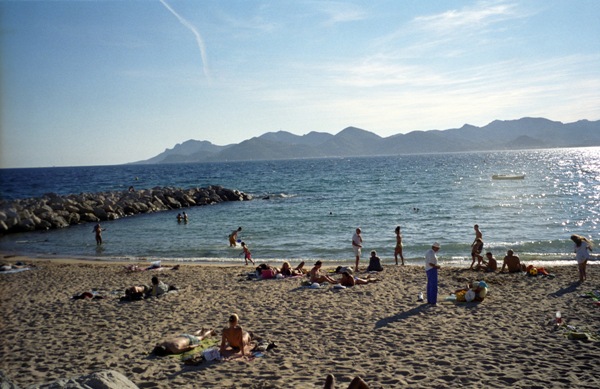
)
(247, 253)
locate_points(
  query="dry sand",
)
(378, 331)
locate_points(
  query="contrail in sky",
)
(199, 39)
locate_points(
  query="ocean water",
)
(309, 209)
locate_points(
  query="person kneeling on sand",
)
(182, 343)
(513, 263)
(349, 281)
(316, 276)
(234, 340)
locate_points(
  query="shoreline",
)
(232, 262)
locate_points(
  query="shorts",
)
(357, 250)
(194, 341)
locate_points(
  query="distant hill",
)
(525, 133)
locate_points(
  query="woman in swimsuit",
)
(398, 249)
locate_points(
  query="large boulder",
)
(106, 379)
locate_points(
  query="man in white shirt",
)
(431, 269)
(357, 246)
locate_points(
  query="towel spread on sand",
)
(12, 271)
(204, 344)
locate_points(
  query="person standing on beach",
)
(233, 237)
(98, 230)
(357, 246)
(582, 254)
(431, 269)
(398, 249)
(476, 247)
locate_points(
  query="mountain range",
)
(525, 133)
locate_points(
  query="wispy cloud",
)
(199, 39)
(340, 12)
(472, 18)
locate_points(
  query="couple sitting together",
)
(235, 341)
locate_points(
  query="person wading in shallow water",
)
(98, 230)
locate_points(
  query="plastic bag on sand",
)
(211, 354)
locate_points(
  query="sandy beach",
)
(377, 331)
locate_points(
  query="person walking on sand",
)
(431, 269)
(233, 237)
(582, 254)
(247, 253)
(398, 249)
(98, 230)
(357, 246)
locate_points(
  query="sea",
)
(308, 209)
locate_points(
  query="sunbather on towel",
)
(159, 288)
(348, 280)
(316, 276)
(287, 271)
(182, 343)
(234, 340)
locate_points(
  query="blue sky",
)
(110, 82)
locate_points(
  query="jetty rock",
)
(105, 379)
(53, 211)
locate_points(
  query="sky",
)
(110, 82)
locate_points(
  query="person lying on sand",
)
(316, 276)
(287, 271)
(513, 263)
(159, 288)
(136, 292)
(16, 266)
(479, 288)
(357, 383)
(182, 343)
(348, 280)
(234, 340)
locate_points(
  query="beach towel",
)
(12, 271)
(205, 344)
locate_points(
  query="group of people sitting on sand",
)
(315, 275)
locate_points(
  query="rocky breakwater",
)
(54, 211)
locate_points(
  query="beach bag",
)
(267, 274)
(460, 296)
